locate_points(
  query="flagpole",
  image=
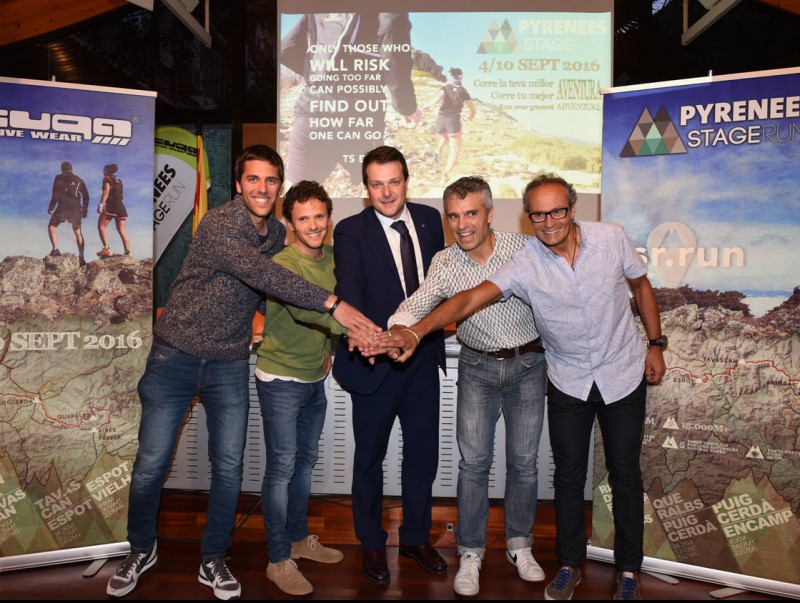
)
(200, 192)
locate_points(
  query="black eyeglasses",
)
(559, 213)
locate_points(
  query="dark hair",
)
(111, 168)
(259, 152)
(66, 166)
(302, 192)
(466, 185)
(383, 154)
(542, 179)
(456, 72)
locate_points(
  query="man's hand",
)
(654, 365)
(358, 325)
(399, 343)
(375, 347)
(412, 121)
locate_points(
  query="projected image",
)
(503, 95)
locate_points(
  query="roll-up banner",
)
(76, 248)
(704, 176)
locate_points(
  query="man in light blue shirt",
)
(576, 276)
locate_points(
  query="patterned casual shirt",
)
(584, 315)
(506, 324)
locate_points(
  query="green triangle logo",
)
(499, 40)
(653, 136)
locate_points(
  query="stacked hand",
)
(363, 334)
(399, 344)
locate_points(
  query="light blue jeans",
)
(488, 386)
(293, 415)
(170, 382)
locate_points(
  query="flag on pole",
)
(175, 183)
(200, 191)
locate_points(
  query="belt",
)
(533, 346)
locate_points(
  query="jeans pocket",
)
(160, 353)
(469, 357)
(531, 359)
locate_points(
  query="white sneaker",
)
(127, 575)
(216, 575)
(467, 581)
(527, 568)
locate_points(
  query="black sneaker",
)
(127, 575)
(215, 573)
(563, 585)
(627, 587)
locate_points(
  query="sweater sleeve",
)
(232, 254)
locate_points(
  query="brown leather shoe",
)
(427, 557)
(375, 566)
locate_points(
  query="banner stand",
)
(99, 552)
(75, 322)
(719, 443)
(711, 575)
(663, 577)
(724, 593)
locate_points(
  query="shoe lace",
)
(627, 589)
(313, 542)
(220, 572)
(524, 559)
(290, 567)
(563, 577)
(127, 568)
(470, 563)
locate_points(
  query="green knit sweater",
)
(296, 340)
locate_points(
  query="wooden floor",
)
(174, 577)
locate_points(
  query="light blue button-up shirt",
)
(584, 316)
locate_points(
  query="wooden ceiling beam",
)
(24, 19)
(790, 5)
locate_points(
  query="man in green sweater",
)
(293, 361)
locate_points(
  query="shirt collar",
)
(387, 222)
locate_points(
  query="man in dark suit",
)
(369, 258)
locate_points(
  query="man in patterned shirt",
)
(501, 369)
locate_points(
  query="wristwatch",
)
(661, 342)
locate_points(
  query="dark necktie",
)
(407, 257)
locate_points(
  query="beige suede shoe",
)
(312, 548)
(288, 578)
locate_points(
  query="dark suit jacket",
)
(367, 278)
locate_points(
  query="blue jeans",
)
(622, 424)
(293, 414)
(170, 382)
(488, 386)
